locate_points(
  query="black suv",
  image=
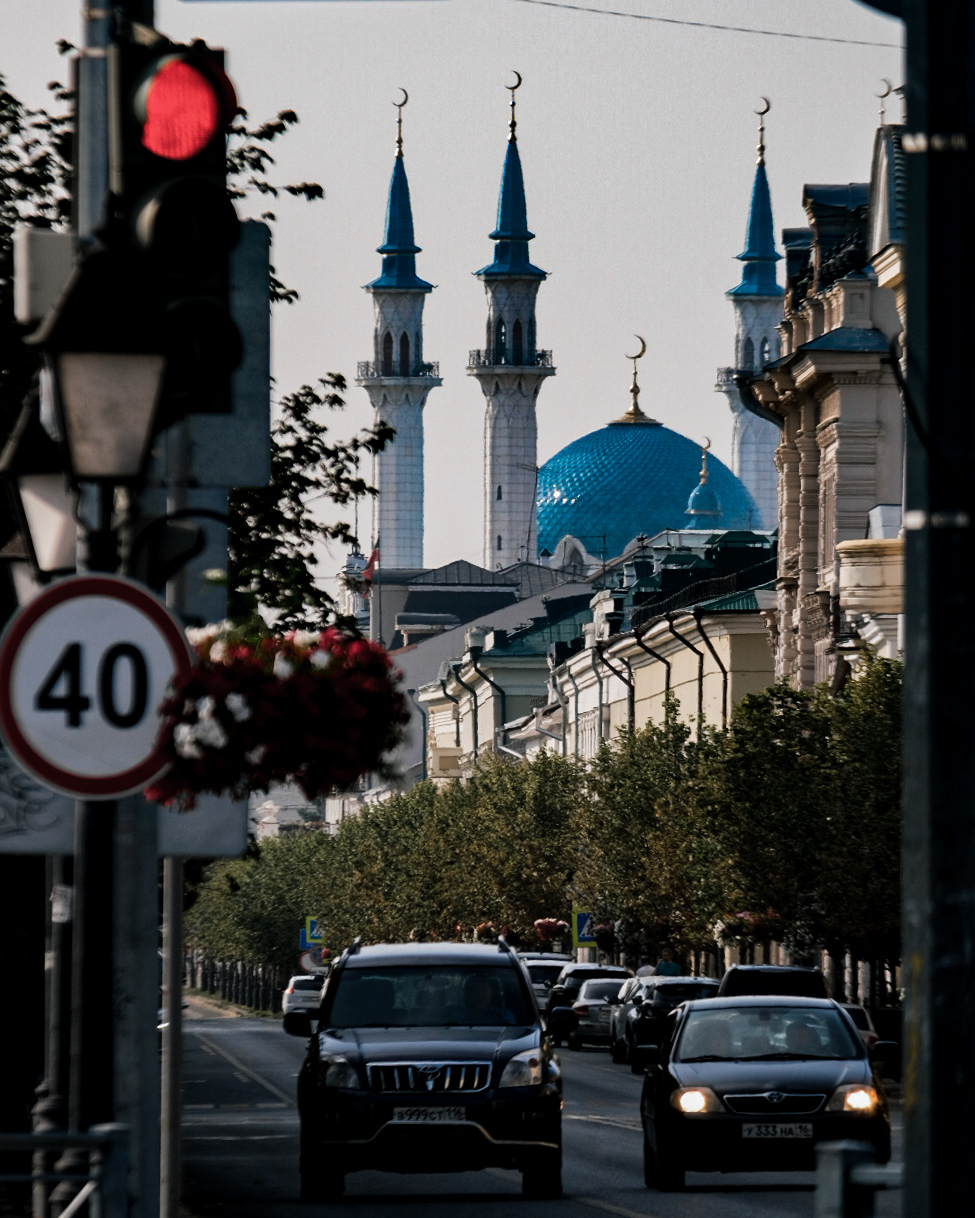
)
(755, 980)
(429, 1058)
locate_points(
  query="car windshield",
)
(307, 983)
(671, 995)
(540, 973)
(766, 1034)
(415, 996)
(599, 989)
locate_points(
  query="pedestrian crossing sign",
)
(583, 929)
(311, 934)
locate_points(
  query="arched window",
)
(748, 354)
(531, 340)
(765, 352)
(499, 542)
(499, 494)
(500, 341)
(517, 345)
(404, 354)
(387, 354)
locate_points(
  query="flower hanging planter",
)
(317, 710)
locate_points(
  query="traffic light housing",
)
(170, 109)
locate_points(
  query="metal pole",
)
(939, 754)
(172, 996)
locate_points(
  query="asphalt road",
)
(241, 1147)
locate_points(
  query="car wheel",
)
(542, 1177)
(320, 1186)
(575, 1043)
(670, 1179)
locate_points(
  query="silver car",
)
(302, 993)
(543, 971)
(594, 1006)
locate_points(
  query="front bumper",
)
(716, 1142)
(354, 1131)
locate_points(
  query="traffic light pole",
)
(939, 713)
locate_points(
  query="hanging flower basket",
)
(317, 710)
(549, 929)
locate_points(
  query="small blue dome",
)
(703, 502)
(630, 478)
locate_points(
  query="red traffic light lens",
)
(184, 110)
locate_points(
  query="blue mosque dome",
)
(635, 476)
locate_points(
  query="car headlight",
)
(340, 1073)
(694, 1100)
(855, 1098)
(524, 1070)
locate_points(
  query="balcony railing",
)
(369, 370)
(499, 359)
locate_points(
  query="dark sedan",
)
(752, 1084)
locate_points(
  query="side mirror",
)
(646, 1006)
(644, 1056)
(298, 1023)
(562, 1022)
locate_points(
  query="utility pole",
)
(939, 711)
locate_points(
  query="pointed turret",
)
(397, 379)
(510, 370)
(759, 254)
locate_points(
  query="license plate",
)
(799, 1130)
(426, 1116)
(604, 1015)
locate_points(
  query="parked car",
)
(864, 1024)
(568, 983)
(753, 1084)
(594, 1006)
(644, 1002)
(429, 1057)
(742, 980)
(543, 969)
(302, 993)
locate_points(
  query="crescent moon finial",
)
(761, 129)
(882, 96)
(399, 120)
(706, 446)
(512, 124)
(643, 349)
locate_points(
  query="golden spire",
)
(399, 120)
(635, 414)
(704, 460)
(761, 131)
(512, 124)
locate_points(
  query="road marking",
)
(633, 1126)
(609, 1208)
(239, 1065)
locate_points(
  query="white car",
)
(302, 993)
(543, 969)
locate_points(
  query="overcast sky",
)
(638, 145)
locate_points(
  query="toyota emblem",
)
(775, 1097)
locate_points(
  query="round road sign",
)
(84, 667)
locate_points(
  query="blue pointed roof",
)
(399, 250)
(759, 254)
(511, 234)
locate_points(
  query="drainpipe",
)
(455, 669)
(495, 686)
(599, 683)
(563, 702)
(423, 749)
(575, 687)
(656, 655)
(456, 702)
(627, 681)
(700, 672)
(724, 672)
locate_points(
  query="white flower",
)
(186, 746)
(206, 707)
(256, 754)
(210, 733)
(218, 652)
(237, 705)
(321, 659)
(305, 638)
(282, 667)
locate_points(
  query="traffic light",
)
(170, 110)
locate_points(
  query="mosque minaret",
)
(757, 302)
(397, 379)
(510, 370)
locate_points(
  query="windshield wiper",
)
(710, 1057)
(788, 1057)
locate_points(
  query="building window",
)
(387, 354)
(531, 340)
(517, 345)
(748, 354)
(404, 354)
(765, 352)
(500, 341)
(499, 542)
(499, 494)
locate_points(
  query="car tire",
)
(575, 1043)
(542, 1177)
(319, 1187)
(649, 1163)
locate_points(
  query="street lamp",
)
(44, 503)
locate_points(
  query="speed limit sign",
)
(83, 669)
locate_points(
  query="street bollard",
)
(836, 1194)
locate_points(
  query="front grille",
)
(433, 1078)
(791, 1103)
